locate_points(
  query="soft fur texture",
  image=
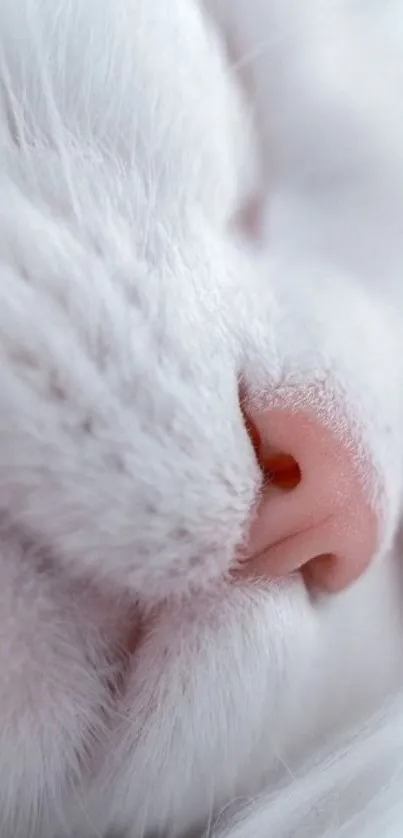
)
(143, 690)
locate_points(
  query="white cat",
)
(175, 658)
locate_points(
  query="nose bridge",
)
(321, 520)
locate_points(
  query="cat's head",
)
(152, 371)
(141, 345)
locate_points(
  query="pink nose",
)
(313, 515)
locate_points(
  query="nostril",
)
(281, 470)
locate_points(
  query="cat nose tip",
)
(314, 515)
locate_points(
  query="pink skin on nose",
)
(325, 526)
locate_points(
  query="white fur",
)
(355, 791)
(129, 311)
